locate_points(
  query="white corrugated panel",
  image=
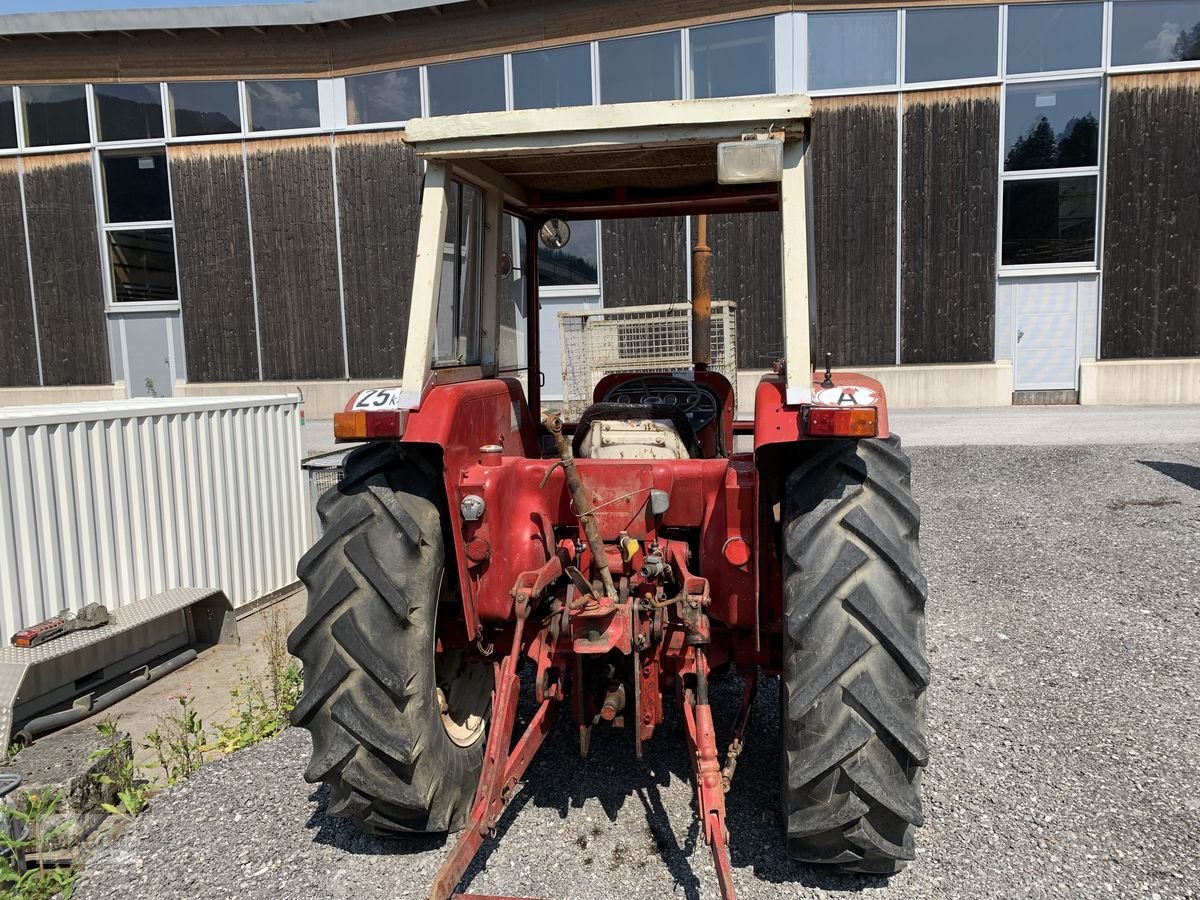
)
(110, 502)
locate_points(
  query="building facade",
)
(1006, 198)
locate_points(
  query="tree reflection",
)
(1039, 148)
(1187, 45)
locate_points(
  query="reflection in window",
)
(143, 266)
(646, 67)
(8, 119)
(513, 321)
(1049, 221)
(466, 86)
(1053, 125)
(383, 97)
(575, 265)
(204, 107)
(849, 50)
(128, 112)
(282, 105)
(733, 60)
(1053, 37)
(947, 44)
(456, 337)
(543, 79)
(55, 114)
(1155, 32)
(135, 186)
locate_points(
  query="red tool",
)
(91, 616)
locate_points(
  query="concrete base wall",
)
(321, 398)
(1139, 381)
(44, 396)
(980, 384)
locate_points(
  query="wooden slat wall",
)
(213, 240)
(854, 222)
(18, 348)
(1151, 301)
(379, 200)
(643, 261)
(66, 269)
(295, 255)
(948, 241)
(746, 268)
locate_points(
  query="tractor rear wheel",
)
(397, 730)
(855, 670)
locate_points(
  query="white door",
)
(1053, 325)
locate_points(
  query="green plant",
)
(179, 741)
(132, 792)
(262, 707)
(41, 882)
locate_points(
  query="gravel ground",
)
(1064, 631)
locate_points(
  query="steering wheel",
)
(697, 401)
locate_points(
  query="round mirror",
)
(506, 266)
(555, 234)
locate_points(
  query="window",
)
(8, 119)
(282, 105)
(733, 60)
(1054, 37)
(1159, 31)
(128, 112)
(383, 97)
(135, 186)
(456, 337)
(851, 50)
(1049, 220)
(1052, 125)
(467, 86)
(513, 320)
(204, 107)
(646, 67)
(575, 265)
(547, 78)
(951, 44)
(142, 263)
(55, 114)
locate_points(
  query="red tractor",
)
(631, 554)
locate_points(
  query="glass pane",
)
(1053, 125)
(467, 86)
(129, 112)
(513, 322)
(8, 119)
(383, 97)
(576, 264)
(135, 186)
(945, 44)
(1050, 221)
(1154, 32)
(734, 60)
(55, 114)
(282, 105)
(143, 266)
(849, 50)
(543, 79)
(204, 107)
(641, 68)
(1052, 37)
(456, 336)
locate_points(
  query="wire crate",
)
(599, 342)
(324, 471)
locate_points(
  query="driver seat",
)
(635, 431)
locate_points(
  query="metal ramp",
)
(36, 680)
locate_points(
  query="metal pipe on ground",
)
(89, 706)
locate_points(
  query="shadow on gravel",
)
(338, 832)
(1184, 473)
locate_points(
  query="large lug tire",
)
(397, 734)
(855, 670)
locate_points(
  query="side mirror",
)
(554, 234)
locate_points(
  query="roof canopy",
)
(629, 159)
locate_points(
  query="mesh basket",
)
(599, 342)
(324, 472)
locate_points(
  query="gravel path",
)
(1064, 631)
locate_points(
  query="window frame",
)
(172, 138)
(580, 290)
(902, 50)
(685, 53)
(1110, 8)
(894, 87)
(1105, 43)
(689, 87)
(94, 113)
(324, 109)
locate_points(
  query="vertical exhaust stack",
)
(701, 297)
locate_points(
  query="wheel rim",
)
(464, 696)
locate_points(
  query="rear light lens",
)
(366, 426)
(857, 422)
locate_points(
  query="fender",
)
(777, 423)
